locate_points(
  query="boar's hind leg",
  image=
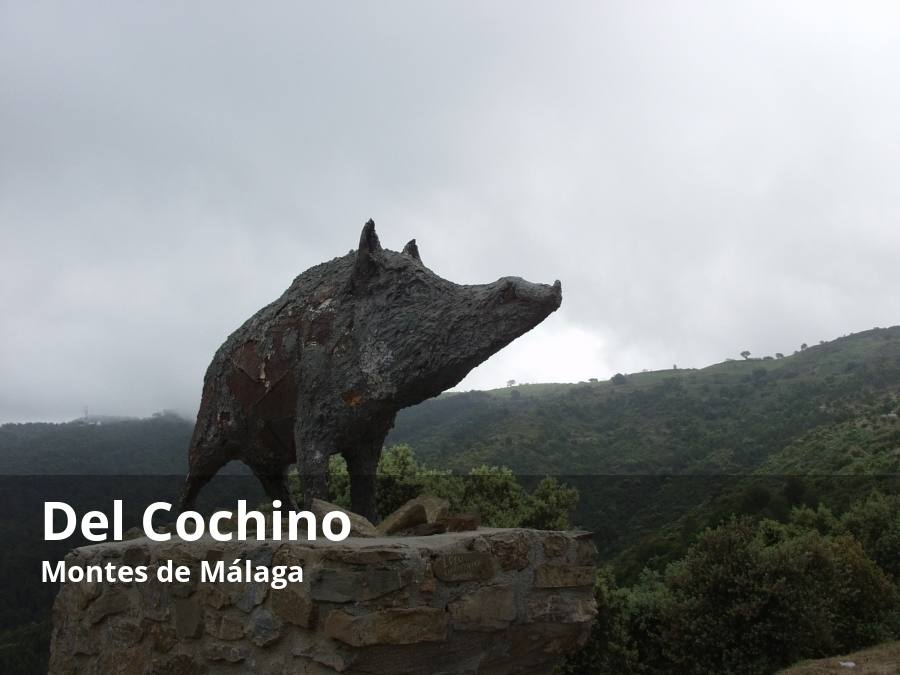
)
(362, 464)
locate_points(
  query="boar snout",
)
(517, 289)
(556, 293)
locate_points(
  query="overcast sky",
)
(703, 178)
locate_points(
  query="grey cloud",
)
(703, 177)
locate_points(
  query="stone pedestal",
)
(486, 601)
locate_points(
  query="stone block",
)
(511, 550)
(468, 566)
(560, 608)
(359, 525)
(264, 627)
(400, 626)
(188, 614)
(226, 651)
(227, 625)
(409, 515)
(334, 584)
(460, 522)
(556, 575)
(294, 606)
(487, 609)
(497, 602)
(112, 601)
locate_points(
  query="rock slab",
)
(489, 601)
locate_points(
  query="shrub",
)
(493, 492)
(875, 522)
(747, 598)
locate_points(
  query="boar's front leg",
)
(312, 465)
(275, 485)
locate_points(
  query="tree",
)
(803, 347)
(875, 523)
(753, 598)
(399, 478)
(779, 355)
(618, 378)
(746, 598)
(550, 505)
(745, 354)
(493, 492)
(510, 383)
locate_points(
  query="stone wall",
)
(485, 601)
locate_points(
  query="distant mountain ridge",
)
(735, 417)
(831, 408)
(97, 446)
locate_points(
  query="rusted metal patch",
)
(247, 359)
(320, 327)
(245, 389)
(353, 398)
(280, 401)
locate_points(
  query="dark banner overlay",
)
(620, 511)
(635, 520)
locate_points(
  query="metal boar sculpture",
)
(326, 367)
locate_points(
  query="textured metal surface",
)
(325, 368)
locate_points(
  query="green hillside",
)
(736, 476)
(827, 409)
(656, 456)
(123, 446)
(831, 408)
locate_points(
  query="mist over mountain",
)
(829, 408)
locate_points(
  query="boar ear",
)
(368, 240)
(368, 244)
(412, 250)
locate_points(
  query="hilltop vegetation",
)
(153, 446)
(731, 418)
